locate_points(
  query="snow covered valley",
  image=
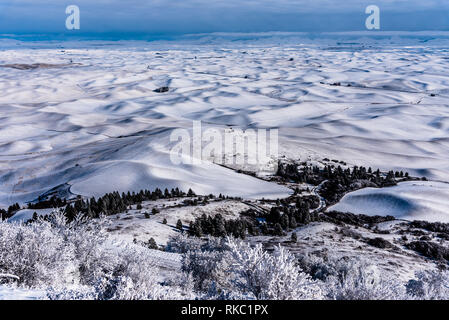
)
(93, 121)
(86, 128)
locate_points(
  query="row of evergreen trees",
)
(217, 226)
(113, 203)
(5, 214)
(339, 181)
(315, 175)
(290, 217)
(53, 202)
(110, 203)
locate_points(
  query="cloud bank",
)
(193, 16)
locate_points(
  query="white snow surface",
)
(409, 200)
(13, 293)
(141, 225)
(27, 214)
(98, 126)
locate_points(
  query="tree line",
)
(109, 204)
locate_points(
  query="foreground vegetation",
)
(76, 260)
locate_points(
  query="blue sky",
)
(199, 16)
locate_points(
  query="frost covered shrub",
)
(205, 261)
(76, 293)
(273, 276)
(318, 267)
(36, 254)
(236, 271)
(119, 288)
(358, 280)
(429, 285)
(208, 269)
(347, 278)
(76, 260)
(133, 276)
(93, 255)
(181, 243)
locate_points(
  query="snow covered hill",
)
(96, 125)
(408, 200)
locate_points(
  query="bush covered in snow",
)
(78, 260)
(232, 269)
(358, 280)
(38, 254)
(352, 279)
(270, 276)
(429, 285)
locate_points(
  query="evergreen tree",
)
(294, 237)
(278, 230)
(285, 221)
(264, 229)
(179, 225)
(70, 212)
(151, 244)
(293, 223)
(275, 215)
(219, 226)
(306, 218)
(196, 230)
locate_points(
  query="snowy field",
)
(408, 200)
(88, 121)
(11, 293)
